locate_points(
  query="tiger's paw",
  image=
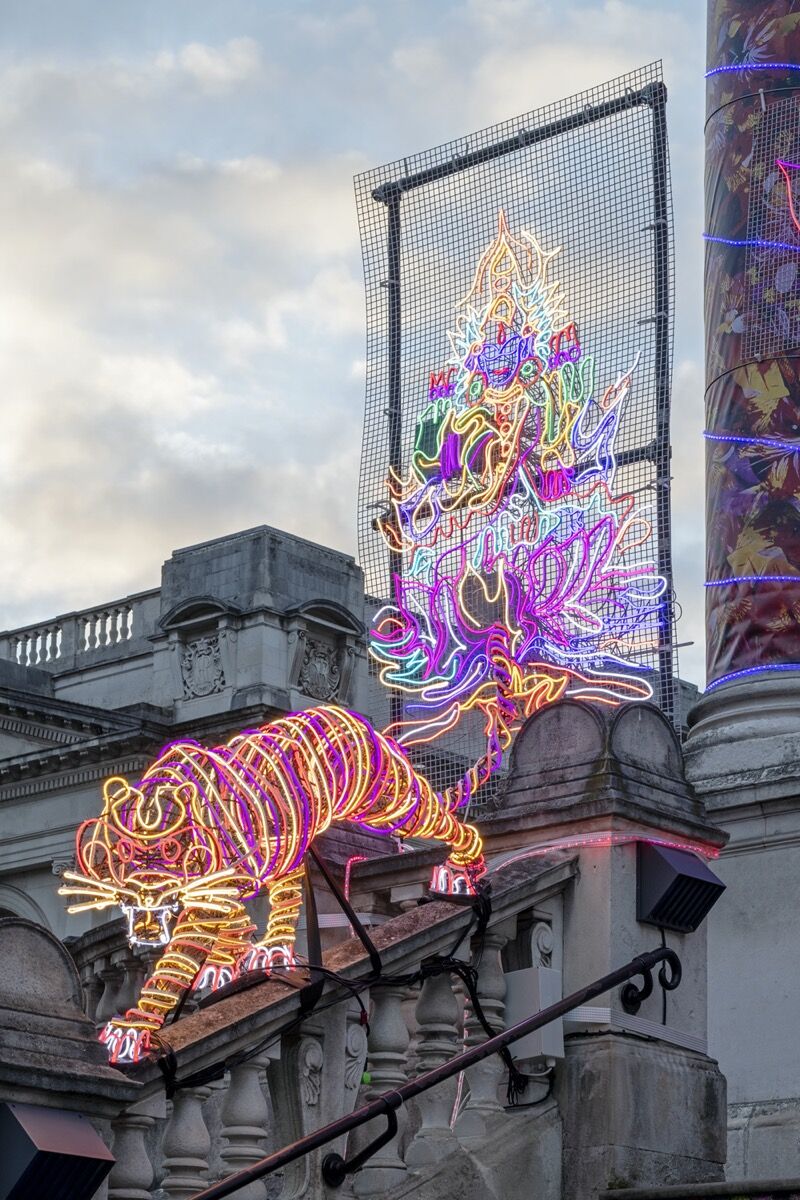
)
(127, 1042)
(215, 976)
(267, 958)
(455, 879)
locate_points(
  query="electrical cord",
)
(467, 972)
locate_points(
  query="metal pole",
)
(526, 137)
(661, 282)
(641, 965)
(395, 410)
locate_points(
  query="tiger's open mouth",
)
(149, 926)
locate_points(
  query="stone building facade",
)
(255, 624)
(241, 628)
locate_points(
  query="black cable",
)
(437, 964)
(663, 989)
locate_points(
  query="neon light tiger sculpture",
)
(205, 829)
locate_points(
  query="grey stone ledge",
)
(763, 1188)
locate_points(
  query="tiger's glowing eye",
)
(125, 849)
(171, 849)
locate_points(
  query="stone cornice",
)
(82, 718)
(36, 785)
(37, 732)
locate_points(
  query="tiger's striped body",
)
(205, 829)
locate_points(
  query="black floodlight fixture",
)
(674, 888)
(45, 1152)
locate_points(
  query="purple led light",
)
(752, 671)
(768, 66)
(778, 443)
(753, 579)
(709, 237)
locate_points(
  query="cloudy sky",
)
(178, 198)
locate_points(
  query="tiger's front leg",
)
(200, 938)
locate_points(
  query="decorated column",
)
(748, 721)
(753, 338)
(743, 752)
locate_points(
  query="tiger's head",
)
(148, 853)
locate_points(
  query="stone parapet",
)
(51, 1056)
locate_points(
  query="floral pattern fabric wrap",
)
(753, 335)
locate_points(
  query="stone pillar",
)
(636, 1110)
(743, 751)
(50, 1053)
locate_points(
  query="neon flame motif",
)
(205, 829)
(518, 564)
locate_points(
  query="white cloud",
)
(181, 313)
(216, 68)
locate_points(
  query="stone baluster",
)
(387, 1047)
(92, 989)
(186, 1145)
(437, 1014)
(133, 974)
(131, 1176)
(111, 975)
(245, 1116)
(485, 1077)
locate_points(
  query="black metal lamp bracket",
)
(335, 1169)
(632, 997)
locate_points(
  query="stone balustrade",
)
(59, 643)
(251, 1077)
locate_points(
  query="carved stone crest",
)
(201, 667)
(320, 674)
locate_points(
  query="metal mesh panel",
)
(770, 320)
(588, 175)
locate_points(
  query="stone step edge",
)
(764, 1189)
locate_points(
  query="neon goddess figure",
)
(515, 547)
(517, 586)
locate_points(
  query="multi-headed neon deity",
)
(517, 586)
(511, 537)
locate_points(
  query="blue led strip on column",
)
(753, 579)
(709, 237)
(752, 671)
(774, 443)
(768, 66)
